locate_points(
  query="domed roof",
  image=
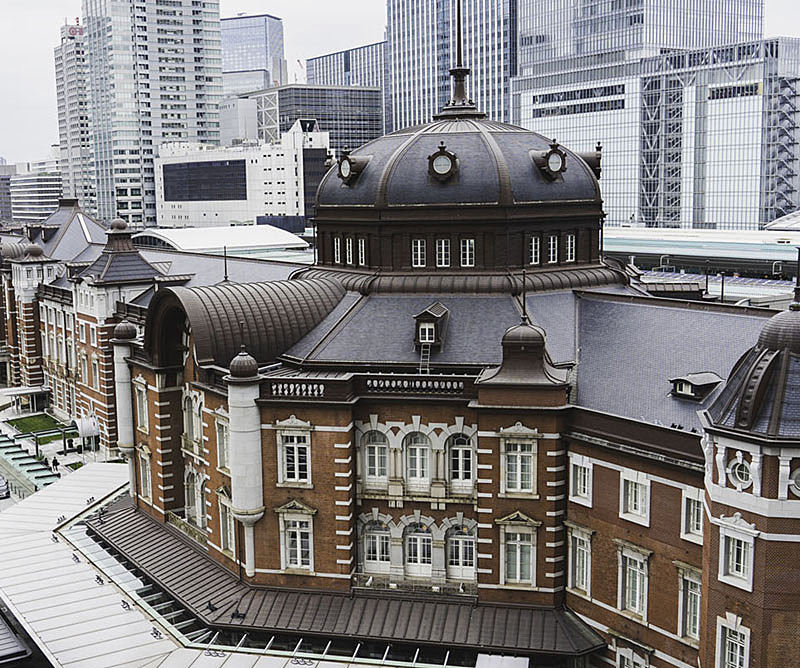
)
(782, 331)
(524, 334)
(243, 365)
(125, 331)
(497, 165)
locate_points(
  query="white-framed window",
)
(569, 250)
(736, 557)
(520, 469)
(632, 580)
(739, 473)
(634, 497)
(459, 447)
(468, 252)
(194, 486)
(692, 515)
(552, 248)
(348, 250)
(362, 252)
(337, 250)
(227, 529)
(377, 548)
(298, 542)
(627, 658)
(418, 253)
(418, 457)
(140, 394)
(579, 576)
(520, 552)
(145, 483)
(296, 458)
(419, 551)
(376, 458)
(223, 443)
(427, 332)
(85, 371)
(690, 588)
(93, 335)
(460, 553)
(95, 374)
(443, 252)
(580, 479)
(534, 250)
(733, 643)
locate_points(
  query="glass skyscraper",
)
(421, 51)
(154, 76)
(252, 53)
(696, 113)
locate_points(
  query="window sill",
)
(692, 642)
(636, 519)
(738, 582)
(518, 495)
(527, 586)
(692, 538)
(580, 593)
(224, 471)
(298, 571)
(580, 500)
(633, 616)
(299, 485)
(142, 430)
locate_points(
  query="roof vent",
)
(694, 386)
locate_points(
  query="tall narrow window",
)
(738, 557)
(141, 408)
(580, 561)
(468, 252)
(348, 249)
(519, 467)
(296, 456)
(460, 461)
(298, 544)
(419, 550)
(362, 252)
(570, 249)
(734, 650)
(145, 485)
(226, 527)
(377, 548)
(519, 556)
(552, 249)
(418, 253)
(443, 252)
(337, 250)
(376, 458)
(634, 583)
(690, 606)
(223, 446)
(461, 554)
(418, 449)
(534, 251)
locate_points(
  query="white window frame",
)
(552, 249)
(727, 536)
(443, 253)
(223, 439)
(287, 521)
(379, 479)
(576, 493)
(688, 575)
(468, 252)
(569, 250)
(381, 539)
(420, 483)
(535, 250)
(459, 551)
(628, 554)
(140, 400)
(418, 253)
(145, 476)
(627, 658)
(460, 456)
(337, 250)
(579, 536)
(506, 533)
(283, 435)
(419, 541)
(691, 506)
(348, 250)
(627, 478)
(227, 528)
(362, 252)
(426, 332)
(731, 623)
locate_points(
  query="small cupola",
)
(431, 326)
(694, 386)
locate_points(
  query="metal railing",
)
(385, 582)
(191, 445)
(195, 533)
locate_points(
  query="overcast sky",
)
(28, 120)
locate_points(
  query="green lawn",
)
(37, 423)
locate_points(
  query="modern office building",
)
(237, 120)
(35, 190)
(420, 53)
(252, 53)
(154, 76)
(73, 116)
(198, 185)
(351, 114)
(6, 172)
(659, 86)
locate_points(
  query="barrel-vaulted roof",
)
(268, 318)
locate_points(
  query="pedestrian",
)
(54, 463)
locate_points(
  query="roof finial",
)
(795, 305)
(225, 261)
(459, 62)
(459, 72)
(525, 319)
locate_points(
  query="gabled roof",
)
(120, 261)
(67, 232)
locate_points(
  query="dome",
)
(782, 331)
(13, 250)
(34, 250)
(119, 224)
(243, 366)
(495, 166)
(523, 336)
(125, 331)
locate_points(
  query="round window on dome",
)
(739, 474)
(794, 481)
(442, 164)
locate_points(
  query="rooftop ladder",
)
(425, 358)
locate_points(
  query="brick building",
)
(463, 433)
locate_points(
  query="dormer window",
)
(426, 332)
(431, 325)
(695, 386)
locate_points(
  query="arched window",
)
(188, 419)
(197, 418)
(190, 496)
(419, 550)
(376, 458)
(377, 548)
(144, 479)
(418, 460)
(461, 553)
(461, 463)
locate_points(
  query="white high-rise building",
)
(36, 189)
(421, 51)
(73, 116)
(155, 75)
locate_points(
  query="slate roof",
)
(193, 578)
(75, 230)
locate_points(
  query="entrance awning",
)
(87, 426)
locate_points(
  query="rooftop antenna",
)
(795, 305)
(459, 72)
(225, 261)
